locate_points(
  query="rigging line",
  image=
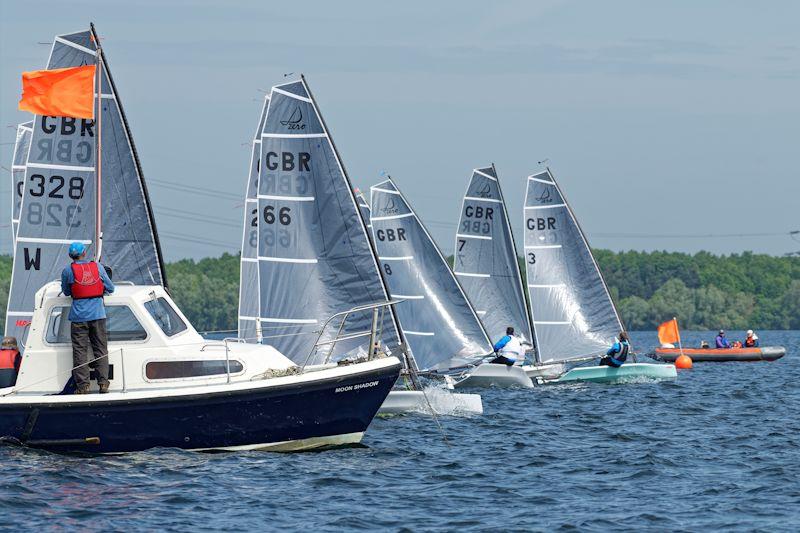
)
(198, 218)
(197, 240)
(195, 213)
(691, 236)
(193, 189)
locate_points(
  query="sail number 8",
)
(283, 215)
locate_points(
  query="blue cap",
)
(76, 249)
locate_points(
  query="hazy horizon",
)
(659, 120)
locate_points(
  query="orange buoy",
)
(684, 362)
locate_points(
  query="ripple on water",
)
(716, 449)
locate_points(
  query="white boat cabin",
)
(151, 345)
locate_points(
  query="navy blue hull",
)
(235, 418)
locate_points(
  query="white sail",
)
(485, 258)
(573, 314)
(439, 323)
(18, 165)
(315, 258)
(249, 298)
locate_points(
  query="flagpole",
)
(678, 331)
(98, 231)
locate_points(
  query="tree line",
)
(703, 290)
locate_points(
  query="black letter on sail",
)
(35, 262)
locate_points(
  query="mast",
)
(98, 171)
(516, 258)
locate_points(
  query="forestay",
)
(21, 146)
(485, 258)
(249, 299)
(438, 322)
(573, 314)
(314, 255)
(59, 194)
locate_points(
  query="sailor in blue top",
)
(508, 348)
(618, 353)
(88, 317)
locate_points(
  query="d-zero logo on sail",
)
(545, 197)
(294, 121)
(390, 208)
(484, 192)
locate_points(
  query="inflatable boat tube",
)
(722, 355)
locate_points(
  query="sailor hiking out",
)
(618, 353)
(86, 282)
(508, 349)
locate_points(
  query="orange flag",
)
(61, 92)
(668, 332)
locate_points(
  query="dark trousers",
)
(502, 360)
(85, 334)
(610, 361)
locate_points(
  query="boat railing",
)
(373, 333)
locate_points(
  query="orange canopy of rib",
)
(61, 92)
(668, 332)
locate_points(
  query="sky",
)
(670, 125)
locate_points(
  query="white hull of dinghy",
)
(494, 375)
(547, 371)
(294, 445)
(442, 402)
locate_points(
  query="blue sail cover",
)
(18, 165)
(249, 298)
(485, 258)
(573, 314)
(59, 194)
(314, 255)
(440, 325)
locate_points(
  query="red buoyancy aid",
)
(88, 283)
(749, 342)
(9, 359)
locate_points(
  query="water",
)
(718, 449)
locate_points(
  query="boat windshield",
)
(165, 316)
(121, 325)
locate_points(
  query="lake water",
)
(717, 449)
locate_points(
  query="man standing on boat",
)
(721, 341)
(618, 353)
(508, 348)
(86, 282)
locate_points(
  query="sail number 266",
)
(283, 215)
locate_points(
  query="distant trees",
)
(704, 291)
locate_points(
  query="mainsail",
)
(573, 314)
(314, 255)
(59, 194)
(439, 323)
(249, 298)
(485, 258)
(20, 158)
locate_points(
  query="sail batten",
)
(573, 314)
(442, 328)
(485, 257)
(314, 254)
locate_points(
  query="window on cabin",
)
(121, 325)
(165, 316)
(190, 369)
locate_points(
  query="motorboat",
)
(171, 387)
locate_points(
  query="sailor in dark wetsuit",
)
(618, 353)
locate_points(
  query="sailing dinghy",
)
(442, 327)
(574, 317)
(60, 194)
(440, 400)
(313, 256)
(486, 264)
